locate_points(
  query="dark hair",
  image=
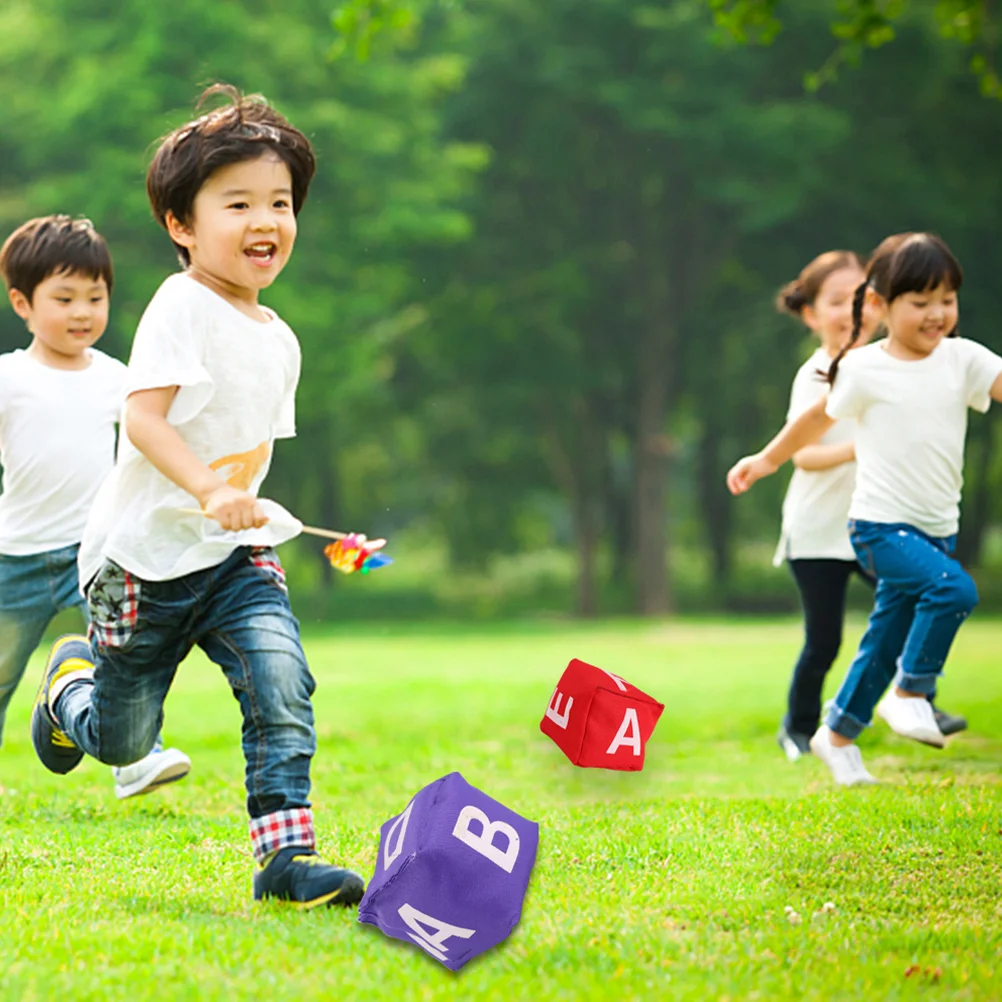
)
(244, 129)
(902, 263)
(53, 245)
(804, 289)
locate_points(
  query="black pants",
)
(823, 585)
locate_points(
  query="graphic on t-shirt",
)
(240, 469)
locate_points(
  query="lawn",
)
(710, 875)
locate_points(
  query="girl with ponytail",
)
(909, 395)
(814, 540)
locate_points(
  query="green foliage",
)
(677, 879)
(87, 89)
(534, 277)
(870, 24)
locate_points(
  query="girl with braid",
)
(814, 540)
(909, 395)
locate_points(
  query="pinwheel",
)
(350, 551)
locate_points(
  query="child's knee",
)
(961, 592)
(124, 749)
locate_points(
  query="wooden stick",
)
(308, 529)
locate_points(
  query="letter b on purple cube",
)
(452, 872)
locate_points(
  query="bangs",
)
(81, 255)
(922, 263)
(54, 245)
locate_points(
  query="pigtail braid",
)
(859, 297)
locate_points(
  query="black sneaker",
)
(300, 877)
(794, 744)
(69, 654)
(948, 723)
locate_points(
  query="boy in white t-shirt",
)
(59, 404)
(211, 384)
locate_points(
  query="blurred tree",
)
(629, 155)
(870, 24)
(86, 88)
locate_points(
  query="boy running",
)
(210, 385)
(59, 403)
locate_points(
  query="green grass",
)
(673, 883)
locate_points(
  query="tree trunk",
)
(573, 464)
(653, 595)
(586, 533)
(714, 505)
(618, 506)
(330, 502)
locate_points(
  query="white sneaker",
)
(159, 767)
(911, 717)
(845, 762)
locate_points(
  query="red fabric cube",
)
(599, 720)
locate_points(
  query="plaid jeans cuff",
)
(280, 829)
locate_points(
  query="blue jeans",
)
(923, 595)
(33, 589)
(238, 612)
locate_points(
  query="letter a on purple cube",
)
(452, 872)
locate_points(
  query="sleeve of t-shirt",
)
(981, 368)
(848, 397)
(118, 374)
(285, 427)
(167, 351)
(808, 388)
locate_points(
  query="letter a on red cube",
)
(599, 720)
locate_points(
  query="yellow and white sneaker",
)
(69, 661)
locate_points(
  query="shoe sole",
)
(952, 729)
(349, 893)
(140, 787)
(928, 742)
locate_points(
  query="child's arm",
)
(824, 457)
(805, 430)
(149, 431)
(996, 390)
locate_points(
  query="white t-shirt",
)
(237, 382)
(816, 507)
(57, 443)
(912, 419)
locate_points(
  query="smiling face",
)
(918, 321)
(66, 314)
(830, 315)
(242, 228)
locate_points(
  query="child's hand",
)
(234, 509)
(746, 471)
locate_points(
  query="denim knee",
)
(959, 593)
(124, 749)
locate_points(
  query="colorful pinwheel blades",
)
(356, 553)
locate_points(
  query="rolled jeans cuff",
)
(925, 685)
(844, 723)
(280, 829)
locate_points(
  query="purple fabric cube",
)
(452, 872)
